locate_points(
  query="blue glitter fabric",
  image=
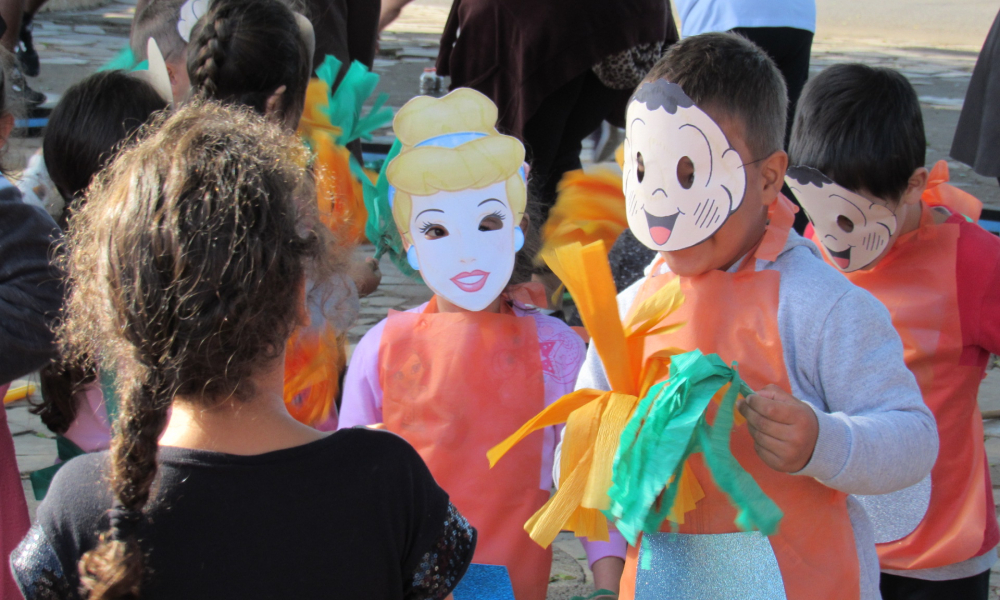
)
(442, 566)
(485, 582)
(676, 566)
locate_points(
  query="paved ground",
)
(933, 42)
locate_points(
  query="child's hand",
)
(784, 428)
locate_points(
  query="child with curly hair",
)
(187, 268)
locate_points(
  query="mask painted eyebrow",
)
(490, 200)
(633, 123)
(711, 158)
(428, 210)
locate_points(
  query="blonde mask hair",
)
(451, 144)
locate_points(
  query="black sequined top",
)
(355, 515)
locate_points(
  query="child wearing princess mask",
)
(459, 374)
(901, 232)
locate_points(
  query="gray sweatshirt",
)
(31, 291)
(846, 361)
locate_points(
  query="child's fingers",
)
(759, 424)
(769, 457)
(774, 407)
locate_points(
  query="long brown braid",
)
(180, 265)
(242, 51)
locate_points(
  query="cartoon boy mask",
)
(852, 230)
(683, 179)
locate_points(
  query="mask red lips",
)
(471, 282)
(660, 228)
(842, 258)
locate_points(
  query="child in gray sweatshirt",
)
(836, 412)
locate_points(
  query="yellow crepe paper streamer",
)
(590, 206)
(595, 419)
(19, 393)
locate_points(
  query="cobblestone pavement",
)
(74, 44)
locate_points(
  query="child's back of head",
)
(862, 127)
(92, 120)
(158, 21)
(252, 53)
(180, 263)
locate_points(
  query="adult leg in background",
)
(11, 11)
(27, 54)
(790, 48)
(553, 135)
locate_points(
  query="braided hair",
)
(179, 265)
(243, 51)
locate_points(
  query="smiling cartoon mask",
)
(851, 229)
(683, 179)
(457, 193)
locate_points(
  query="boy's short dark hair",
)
(862, 127)
(92, 120)
(731, 73)
(158, 20)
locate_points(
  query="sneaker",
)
(19, 85)
(26, 53)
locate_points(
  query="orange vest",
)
(916, 282)
(735, 315)
(454, 385)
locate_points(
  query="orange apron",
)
(454, 385)
(735, 315)
(916, 282)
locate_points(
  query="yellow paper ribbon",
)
(590, 206)
(595, 419)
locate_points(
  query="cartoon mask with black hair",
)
(683, 179)
(852, 230)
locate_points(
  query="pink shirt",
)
(90, 429)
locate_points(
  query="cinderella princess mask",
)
(457, 195)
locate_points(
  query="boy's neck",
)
(911, 218)
(750, 246)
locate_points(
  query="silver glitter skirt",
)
(703, 567)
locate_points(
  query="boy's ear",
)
(915, 186)
(525, 222)
(772, 176)
(272, 107)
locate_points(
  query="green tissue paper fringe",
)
(381, 228)
(125, 61)
(347, 101)
(345, 110)
(670, 425)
